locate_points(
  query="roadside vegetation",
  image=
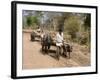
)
(76, 26)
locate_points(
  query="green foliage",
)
(29, 21)
(61, 20)
(32, 20)
(35, 20)
(72, 26)
(76, 26)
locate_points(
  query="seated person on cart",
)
(59, 42)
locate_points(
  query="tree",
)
(29, 21)
(32, 21)
(87, 22)
(72, 26)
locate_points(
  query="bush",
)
(85, 38)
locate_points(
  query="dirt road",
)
(34, 58)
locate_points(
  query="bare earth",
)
(34, 58)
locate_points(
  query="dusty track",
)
(34, 58)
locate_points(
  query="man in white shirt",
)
(59, 42)
(59, 38)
